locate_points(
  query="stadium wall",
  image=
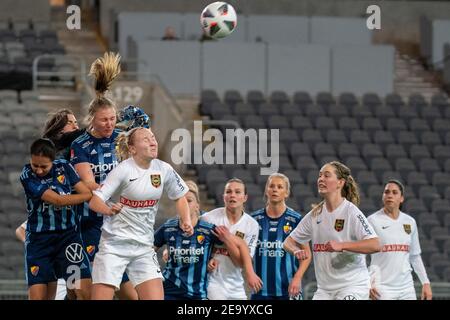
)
(25, 9)
(400, 16)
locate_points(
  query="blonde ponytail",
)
(104, 69)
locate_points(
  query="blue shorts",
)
(172, 292)
(55, 254)
(90, 233)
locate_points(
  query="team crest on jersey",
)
(339, 225)
(407, 228)
(240, 234)
(287, 228)
(61, 179)
(156, 180)
(200, 238)
(90, 250)
(34, 270)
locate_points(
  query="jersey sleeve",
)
(32, 186)
(415, 244)
(159, 240)
(303, 231)
(174, 184)
(252, 238)
(72, 175)
(362, 229)
(112, 183)
(78, 154)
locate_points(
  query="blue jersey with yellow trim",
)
(188, 256)
(43, 216)
(272, 263)
(100, 154)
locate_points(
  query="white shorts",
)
(116, 256)
(391, 294)
(350, 293)
(219, 292)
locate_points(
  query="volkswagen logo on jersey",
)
(74, 253)
(339, 225)
(407, 228)
(156, 180)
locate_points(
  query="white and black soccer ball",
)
(218, 19)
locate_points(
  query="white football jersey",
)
(336, 270)
(399, 239)
(139, 190)
(227, 274)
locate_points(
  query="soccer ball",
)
(218, 19)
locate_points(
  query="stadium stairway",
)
(411, 77)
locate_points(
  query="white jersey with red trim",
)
(139, 190)
(399, 239)
(336, 270)
(227, 274)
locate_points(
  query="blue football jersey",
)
(188, 256)
(100, 153)
(43, 216)
(272, 263)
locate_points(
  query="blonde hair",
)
(192, 186)
(282, 177)
(349, 191)
(123, 142)
(104, 69)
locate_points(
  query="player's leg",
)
(127, 291)
(51, 290)
(150, 290)
(74, 265)
(40, 270)
(145, 274)
(107, 274)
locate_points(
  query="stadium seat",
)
(418, 126)
(359, 112)
(395, 125)
(266, 110)
(311, 137)
(360, 138)
(304, 164)
(383, 138)
(394, 101)
(232, 97)
(370, 151)
(407, 138)
(346, 150)
(429, 167)
(414, 206)
(255, 98)
(290, 110)
(277, 122)
(279, 98)
(243, 109)
(348, 100)
(441, 127)
(384, 113)
(371, 100)
(379, 166)
(415, 180)
(325, 100)
(314, 111)
(299, 149)
(430, 114)
(302, 99)
(404, 166)
(324, 124)
(430, 139)
(418, 152)
(288, 135)
(338, 111)
(428, 194)
(253, 121)
(356, 164)
(324, 149)
(441, 180)
(375, 192)
(395, 151)
(335, 137)
(347, 124)
(366, 178)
